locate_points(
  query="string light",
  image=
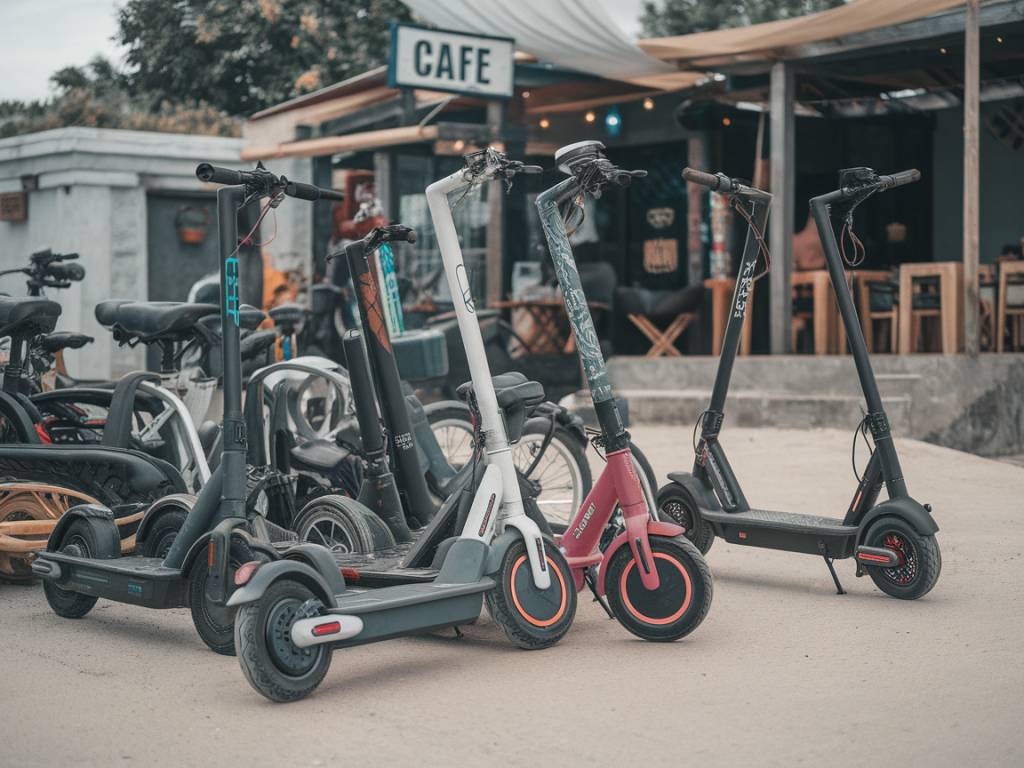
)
(999, 39)
(590, 117)
(726, 121)
(942, 51)
(459, 145)
(545, 123)
(648, 103)
(526, 94)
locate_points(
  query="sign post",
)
(453, 62)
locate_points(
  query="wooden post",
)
(495, 270)
(696, 195)
(971, 180)
(783, 180)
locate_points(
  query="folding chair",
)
(646, 309)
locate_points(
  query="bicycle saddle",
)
(153, 320)
(249, 319)
(288, 317)
(27, 315)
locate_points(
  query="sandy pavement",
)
(783, 671)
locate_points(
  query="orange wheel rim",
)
(542, 623)
(647, 619)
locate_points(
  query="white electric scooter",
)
(292, 615)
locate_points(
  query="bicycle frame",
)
(618, 483)
(499, 488)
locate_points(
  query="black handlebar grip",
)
(216, 175)
(904, 177)
(72, 272)
(311, 192)
(708, 180)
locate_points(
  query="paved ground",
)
(783, 672)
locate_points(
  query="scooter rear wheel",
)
(920, 559)
(342, 525)
(676, 505)
(533, 618)
(680, 602)
(270, 661)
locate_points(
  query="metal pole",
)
(495, 270)
(971, 180)
(783, 177)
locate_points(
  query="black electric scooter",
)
(188, 561)
(892, 541)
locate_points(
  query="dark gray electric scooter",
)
(893, 541)
(183, 559)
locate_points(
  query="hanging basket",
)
(192, 224)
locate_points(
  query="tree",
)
(683, 17)
(243, 55)
(95, 95)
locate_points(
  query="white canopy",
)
(576, 34)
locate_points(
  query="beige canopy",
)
(855, 16)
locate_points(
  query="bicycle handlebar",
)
(263, 181)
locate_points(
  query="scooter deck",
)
(133, 579)
(790, 531)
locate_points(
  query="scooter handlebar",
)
(716, 182)
(214, 174)
(310, 192)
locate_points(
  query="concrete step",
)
(752, 408)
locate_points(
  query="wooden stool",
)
(643, 306)
(877, 297)
(1010, 308)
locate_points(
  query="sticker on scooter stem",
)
(487, 515)
(467, 294)
(743, 289)
(231, 302)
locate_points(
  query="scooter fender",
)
(267, 574)
(654, 528)
(703, 495)
(499, 547)
(183, 501)
(95, 511)
(916, 514)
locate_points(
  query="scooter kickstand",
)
(458, 633)
(589, 578)
(835, 578)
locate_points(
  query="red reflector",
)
(210, 554)
(743, 534)
(331, 628)
(874, 558)
(245, 572)
(350, 574)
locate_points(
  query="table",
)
(550, 323)
(951, 298)
(722, 290)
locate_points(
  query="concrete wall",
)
(971, 404)
(90, 197)
(1002, 201)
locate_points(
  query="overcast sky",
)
(38, 37)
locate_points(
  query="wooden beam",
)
(783, 181)
(972, 88)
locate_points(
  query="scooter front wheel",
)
(920, 560)
(215, 623)
(532, 618)
(680, 602)
(270, 661)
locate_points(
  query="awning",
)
(776, 36)
(575, 34)
(353, 142)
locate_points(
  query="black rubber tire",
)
(254, 652)
(351, 517)
(80, 540)
(215, 623)
(922, 558)
(162, 532)
(676, 505)
(383, 538)
(679, 551)
(502, 601)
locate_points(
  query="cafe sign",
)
(455, 62)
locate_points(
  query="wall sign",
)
(456, 62)
(13, 206)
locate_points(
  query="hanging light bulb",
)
(648, 103)
(545, 123)
(613, 122)
(590, 116)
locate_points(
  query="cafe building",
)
(933, 85)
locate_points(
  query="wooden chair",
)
(878, 301)
(645, 308)
(1010, 305)
(931, 291)
(988, 292)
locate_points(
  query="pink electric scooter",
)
(650, 577)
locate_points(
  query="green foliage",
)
(243, 55)
(96, 96)
(682, 17)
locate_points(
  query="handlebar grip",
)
(531, 169)
(903, 177)
(216, 175)
(67, 272)
(703, 178)
(311, 192)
